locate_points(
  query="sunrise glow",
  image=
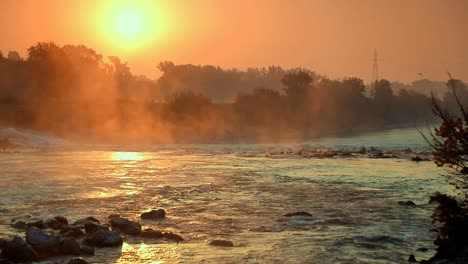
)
(129, 25)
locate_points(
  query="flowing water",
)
(238, 193)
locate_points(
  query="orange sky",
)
(333, 37)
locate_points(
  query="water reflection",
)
(121, 156)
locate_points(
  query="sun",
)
(129, 25)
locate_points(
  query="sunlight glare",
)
(121, 156)
(129, 25)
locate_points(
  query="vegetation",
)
(73, 91)
(450, 144)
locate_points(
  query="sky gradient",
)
(333, 37)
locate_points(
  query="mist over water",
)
(239, 193)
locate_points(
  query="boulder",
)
(53, 223)
(298, 214)
(44, 244)
(104, 238)
(56, 223)
(86, 250)
(19, 224)
(3, 242)
(17, 250)
(92, 227)
(38, 224)
(411, 258)
(417, 159)
(150, 233)
(407, 203)
(221, 243)
(173, 237)
(82, 222)
(61, 219)
(126, 226)
(69, 246)
(112, 216)
(77, 261)
(154, 214)
(375, 154)
(69, 231)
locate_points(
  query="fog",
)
(79, 94)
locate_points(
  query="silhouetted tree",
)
(14, 56)
(450, 144)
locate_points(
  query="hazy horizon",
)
(334, 38)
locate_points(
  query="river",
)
(238, 193)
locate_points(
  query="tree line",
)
(74, 91)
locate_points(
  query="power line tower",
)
(375, 71)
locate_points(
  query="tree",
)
(450, 148)
(14, 56)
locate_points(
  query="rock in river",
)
(92, 227)
(77, 261)
(150, 233)
(82, 222)
(104, 238)
(221, 243)
(44, 244)
(126, 226)
(298, 214)
(17, 250)
(407, 203)
(154, 214)
(69, 246)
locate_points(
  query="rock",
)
(69, 246)
(61, 219)
(407, 203)
(154, 214)
(407, 151)
(17, 250)
(77, 261)
(417, 159)
(150, 233)
(19, 225)
(221, 243)
(53, 223)
(375, 153)
(104, 238)
(112, 216)
(173, 237)
(92, 227)
(422, 249)
(56, 223)
(362, 150)
(71, 232)
(412, 258)
(86, 250)
(298, 214)
(126, 226)
(3, 243)
(44, 244)
(39, 224)
(82, 222)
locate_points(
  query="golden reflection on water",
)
(120, 156)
